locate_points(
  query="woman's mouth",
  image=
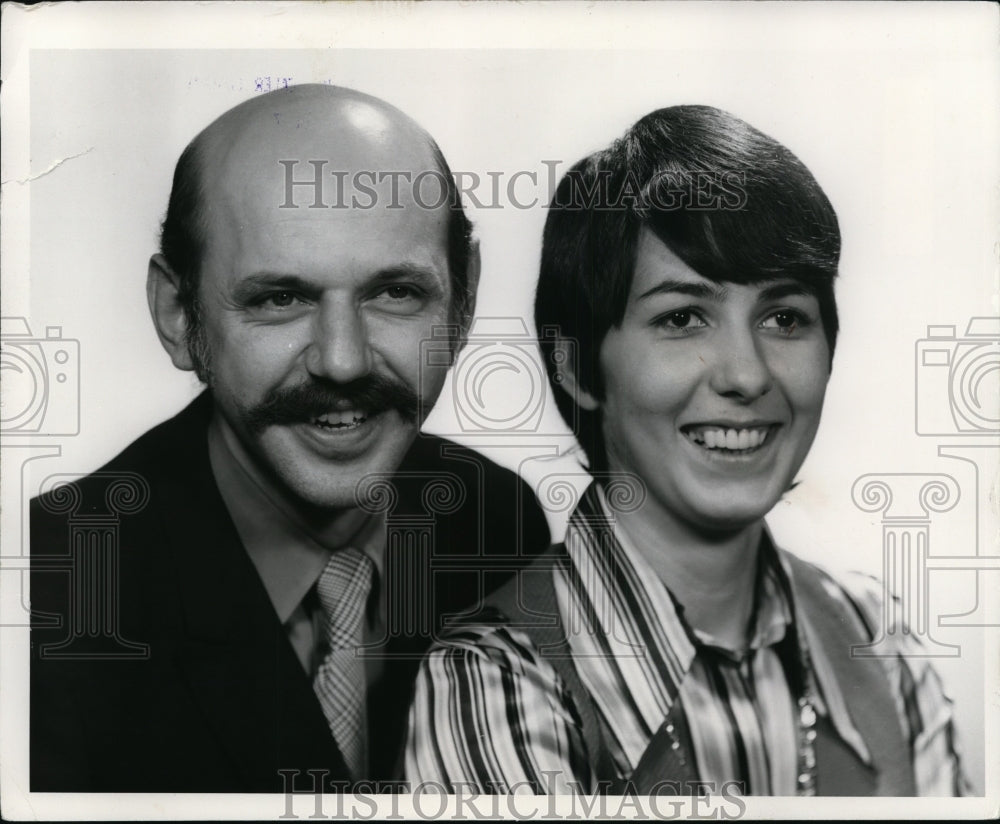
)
(731, 440)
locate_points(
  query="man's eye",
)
(683, 320)
(397, 292)
(400, 297)
(278, 300)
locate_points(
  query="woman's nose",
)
(739, 367)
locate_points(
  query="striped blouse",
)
(490, 712)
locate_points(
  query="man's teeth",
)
(347, 417)
(735, 439)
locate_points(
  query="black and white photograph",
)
(483, 411)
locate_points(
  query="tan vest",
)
(666, 770)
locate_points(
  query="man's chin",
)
(338, 468)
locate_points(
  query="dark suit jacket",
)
(158, 663)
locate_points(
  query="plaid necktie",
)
(339, 684)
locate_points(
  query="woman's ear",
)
(169, 317)
(564, 354)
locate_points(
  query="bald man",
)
(253, 633)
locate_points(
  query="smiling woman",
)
(727, 382)
(689, 272)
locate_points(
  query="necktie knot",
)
(343, 589)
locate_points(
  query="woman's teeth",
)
(345, 418)
(731, 439)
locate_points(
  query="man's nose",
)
(339, 350)
(739, 367)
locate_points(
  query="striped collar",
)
(633, 647)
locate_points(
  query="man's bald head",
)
(350, 130)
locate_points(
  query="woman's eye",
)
(682, 320)
(785, 321)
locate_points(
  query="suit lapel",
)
(234, 652)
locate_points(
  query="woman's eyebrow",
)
(707, 291)
(784, 289)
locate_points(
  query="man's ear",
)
(472, 269)
(564, 355)
(169, 317)
(472, 282)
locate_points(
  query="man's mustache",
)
(306, 402)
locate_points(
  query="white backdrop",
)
(893, 108)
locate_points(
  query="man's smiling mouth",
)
(729, 439)
(340, 420)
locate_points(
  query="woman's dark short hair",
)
(732, 203)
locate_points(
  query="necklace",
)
(806, 781)
(806, 761)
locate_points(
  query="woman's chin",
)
(722, 515)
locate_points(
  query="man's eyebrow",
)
(425, 276)
(251, 285)
(706, 291)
